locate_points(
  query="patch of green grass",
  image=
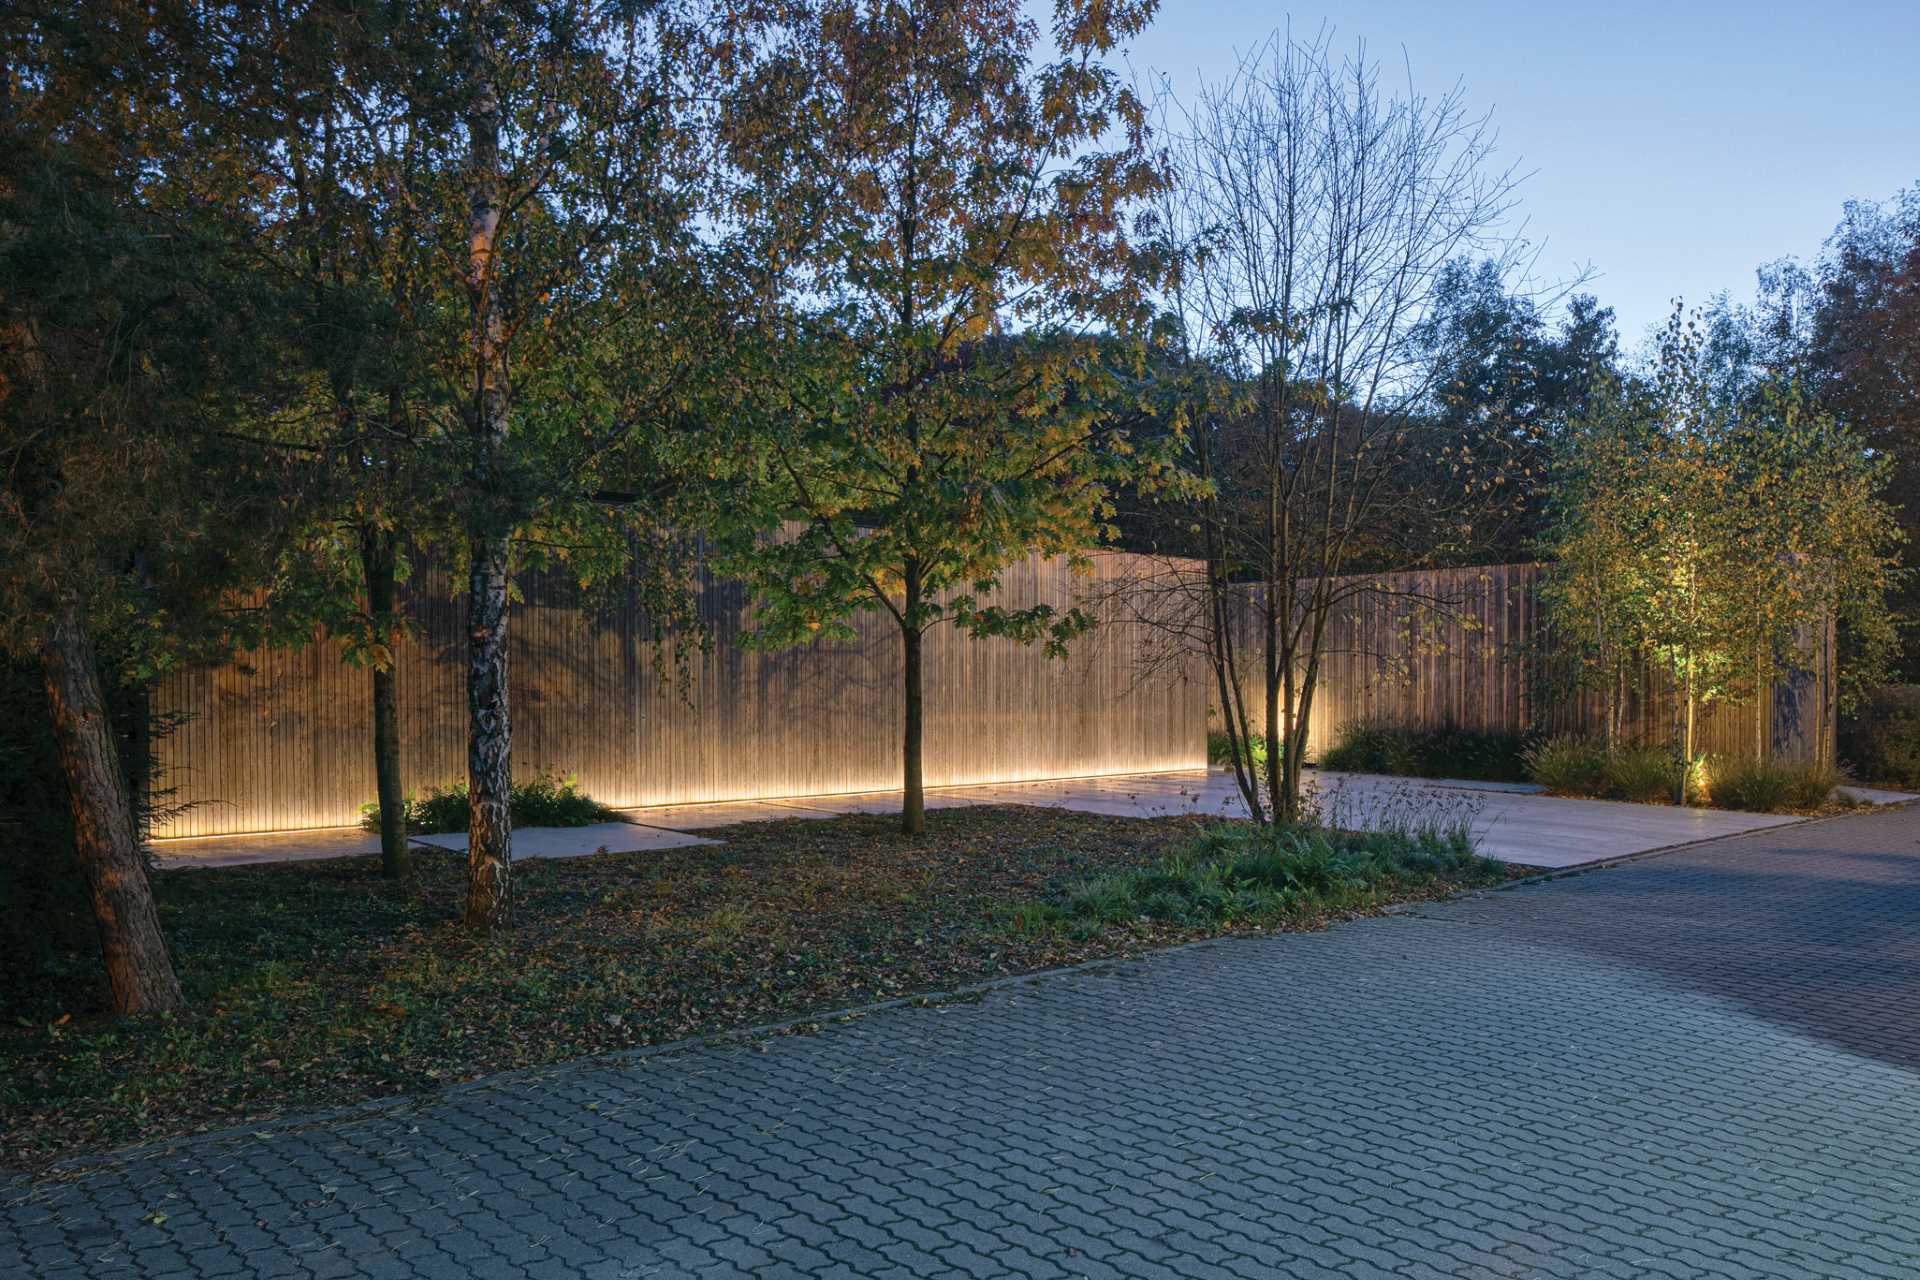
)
(1242, 875)
(539, 802)
(1445, 751)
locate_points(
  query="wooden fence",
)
(1468, 647)
(279, 740)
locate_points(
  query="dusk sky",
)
(1673, 147)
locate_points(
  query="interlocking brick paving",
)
(1705, 1064)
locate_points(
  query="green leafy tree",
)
(585, 353)
(128, 361)
(1863, 361)
(945, 227)
(1720, 534)
(492, 211)
(308, 136)
(1314, 221)
(1499, 370)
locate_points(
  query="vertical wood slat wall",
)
(280, 740)
(1474, 656)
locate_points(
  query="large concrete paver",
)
(1702, 1064)
(577, 842)
(1512, 822)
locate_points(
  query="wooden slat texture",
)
(280, 739)
(1469, 647)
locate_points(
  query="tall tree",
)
(1501, 368)
(492, 209)
(126, 362)
(1315, 216)
(587, 316)
(948, 390)
(1864, 360)
(309, 136)
(1720, 535)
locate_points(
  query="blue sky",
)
(1673, 146)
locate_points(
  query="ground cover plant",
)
(538, 802)
(1238, 875)
(1443, 751)
(322, 983)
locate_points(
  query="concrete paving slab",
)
(882, 802)
(578, 842)
(704, 817)
(1878, 795)
(1515, 822)
(278, 846)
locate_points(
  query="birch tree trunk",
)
(489, 740)
(138, 967)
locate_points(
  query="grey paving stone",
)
(1704, 1064)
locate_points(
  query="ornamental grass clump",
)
(1643, 775)
(1765, 786)
(1568, 765)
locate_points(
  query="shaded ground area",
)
(1696, 1065)
(319, 983)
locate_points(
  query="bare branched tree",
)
(1313, 214)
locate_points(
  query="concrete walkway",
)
(1513, 821)
(1704, 1064)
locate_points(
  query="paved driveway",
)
(1701, 1064)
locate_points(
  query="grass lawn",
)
(319, 984)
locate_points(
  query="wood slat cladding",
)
(1468, 647)
(281, 739)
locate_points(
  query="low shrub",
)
(1569, 765)
(1446, 751)
(1220, 751)
(1813, 786)
(1766, 786)
(1243, 874)
(539, 802)
(1881, 740)
(1752, 786)
(1643, 775)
